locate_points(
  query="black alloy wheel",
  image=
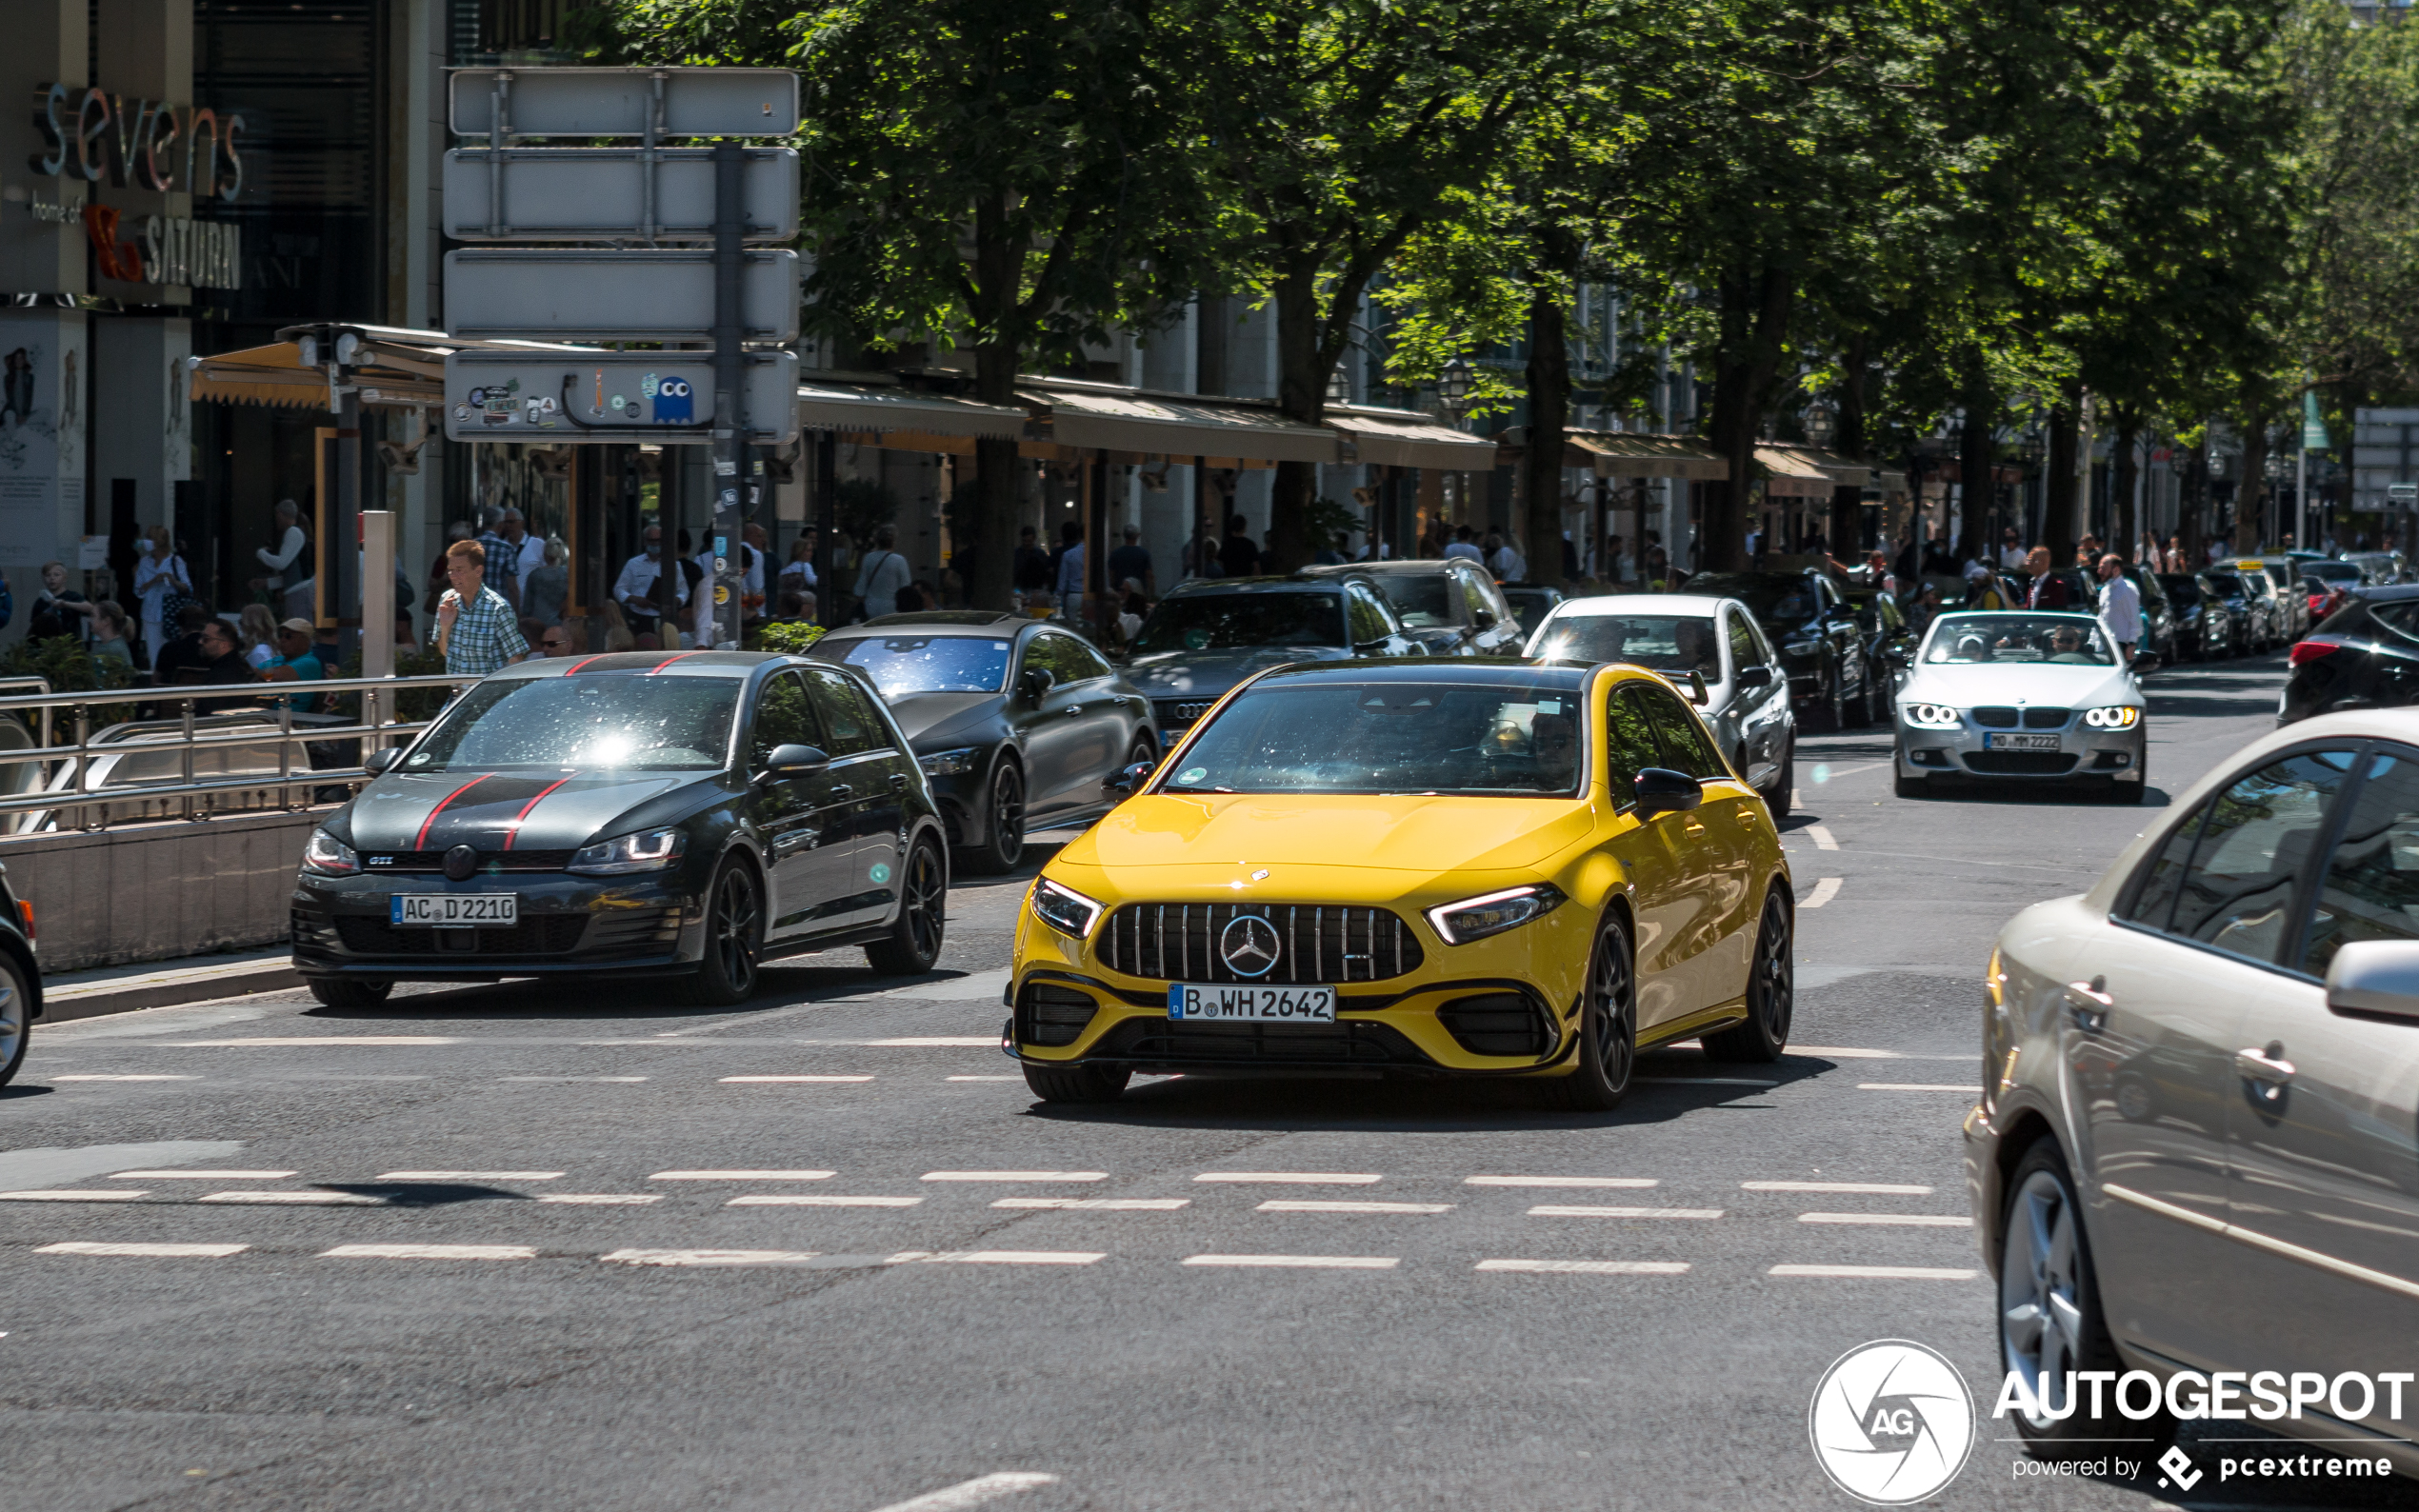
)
(1776, 797)
(1077, 1084)
(1771, 990)
(734, 937)
(16, 1020)
(1836, 700)
(1003, 844)
(1607, 1028)
(350, 992)
(914, 941)
(1866, 713)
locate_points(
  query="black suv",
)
(1210, 633)
(1822, 647)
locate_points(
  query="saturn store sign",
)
(149, 145)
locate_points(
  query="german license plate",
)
(1262, 1004)
(455, 909)
(1997, 742)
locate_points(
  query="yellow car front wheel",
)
(1608, 1027)
(1077, 1084)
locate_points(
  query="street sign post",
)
(731, 295)
(613, 397)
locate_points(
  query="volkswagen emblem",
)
(1248, 947)
(460, 861)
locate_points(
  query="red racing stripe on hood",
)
(421, 840)
(513, 831)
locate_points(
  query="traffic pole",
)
(730, 419)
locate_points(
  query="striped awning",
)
(1178, 427)
(1406, 438)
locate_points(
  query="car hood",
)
(938, 715)
(1205, 674)
(509, 810)
(2024, 683)
(1339, 836)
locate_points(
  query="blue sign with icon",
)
(674, 402)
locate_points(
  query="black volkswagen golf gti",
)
(684, 815)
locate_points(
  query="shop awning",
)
(1808, 472)
(878, 411)
(394, 366)
(1127, 420)
(1635, 454)
(1406, 438)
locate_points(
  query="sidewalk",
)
(164, 984)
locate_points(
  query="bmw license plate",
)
(1268, 1004)
(455, 909)
(1998, 742)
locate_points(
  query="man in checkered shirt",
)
(476, 629)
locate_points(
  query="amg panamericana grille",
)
(1317, 943)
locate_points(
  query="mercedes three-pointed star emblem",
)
(1248, 945)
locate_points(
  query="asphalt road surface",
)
(531, 1247)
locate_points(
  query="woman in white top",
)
(159, 572)
(290, 567)
(258, 627)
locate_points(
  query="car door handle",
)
(898, 781)
(843, 790)
(2267, 1070)
(2089, 1003)
(1074, 710)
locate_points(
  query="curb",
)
(203, 985)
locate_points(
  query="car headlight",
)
(1064, 908)
(647, 851)
(949, 763)
(1492, 912)
(1929, 716)
(2116, 716)
(330, 856)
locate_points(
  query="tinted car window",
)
(2155, 901)
(1212, 622)
(2400, 616)
(1369, 619)
(2181, 589)
(783, 718)
(1474, 598)
(2261, 833)
(847, 715)
(2371, 887)
(1685, 746)
(1066, 659)
(1424, 600)
(1744, 653)
(901, 664)
(1666, 643)
(1633, 746)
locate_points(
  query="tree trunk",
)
(2057, 484)
(1755, 314)
(1536, 526)
(1976, 446)
(2124, 529)
(2251, 495)
(1848, 501)
(1304, 365)
(2195, 502)
(984, 527)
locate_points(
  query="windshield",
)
(1960, 639)
(647, 724)
(1666, 643)
(1517, 738)
(1216, 622)
(901, 664)
(2331, 571)
(1423, 602)
(1775, 601)
(2181, 588)
(2228, 582)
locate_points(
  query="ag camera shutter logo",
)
(1891, 1422)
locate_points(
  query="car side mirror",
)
(1125, 783)
(794, 759)
(1697, 694)
(2375, 979)
(1661, 791)
(1483, 619)
(1751, 677)
(1895, 656)
(1036, 681)
(379, 760)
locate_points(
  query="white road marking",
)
(301, 1199)
(972, 1493)
(155, 1251)
(935, 1042)
(995, 1256)
(1015, 1176)
(1821, 837)
(429, 1252)
(1876, 1272)
(1551, 1211)
(1825, 891)
(321, 1038)
(1708, 1080)
(1590, 1267)
(572, 1078)
(1892, 1220)
(1560, 1181)
(1100, 1204)
(710, 1257)
(802, 1200)
(1797, 797)
(60, 1195)
(471, 1176)
(742, 1176)
(1866, 1188)
(604, 1199)
(199, 1176)
(1293, 1178)
(987, 1079)
(95, 1077)
(1299, 1262)
(1918, 1087)
(1840, 1052)
(793, 1079)
(1278, 1206)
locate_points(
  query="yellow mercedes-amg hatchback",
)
(1414, 867)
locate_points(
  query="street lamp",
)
(1452, 386)
(1821, 425)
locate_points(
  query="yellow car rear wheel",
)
(1771, 992)
(1608, 1027)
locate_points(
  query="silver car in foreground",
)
(1747, 694)
(2198, 1147)
(2020, 696)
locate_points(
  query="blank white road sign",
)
(567, 194)
(551, 295)
(578, 103)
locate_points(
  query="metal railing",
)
(62, 783)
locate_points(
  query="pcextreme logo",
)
(1891, 1422)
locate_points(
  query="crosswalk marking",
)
(97, 1076)
(793, 1079)
(297, 1199)
(1293, 1178)
(431, 1252)
(156, 1251)
(1893, 1220)
(1560, 1181)
(1590, 1267)
(966, 1493)
(1298, 1261)
(603, 1199)
(997, 1256)
(572, 1078)
(802, 1200)
(1866, 1188)
(1550, 1210)
(1100, 1204)
(1353, 1207)
(199, 1176)
(1876, 1272)
(470, 1176)
(988, 1042)
(742, 1176)
(1918, 1087)
(61, 1195)
(710, 1257)
(288, 1040)
(1015, 1176)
